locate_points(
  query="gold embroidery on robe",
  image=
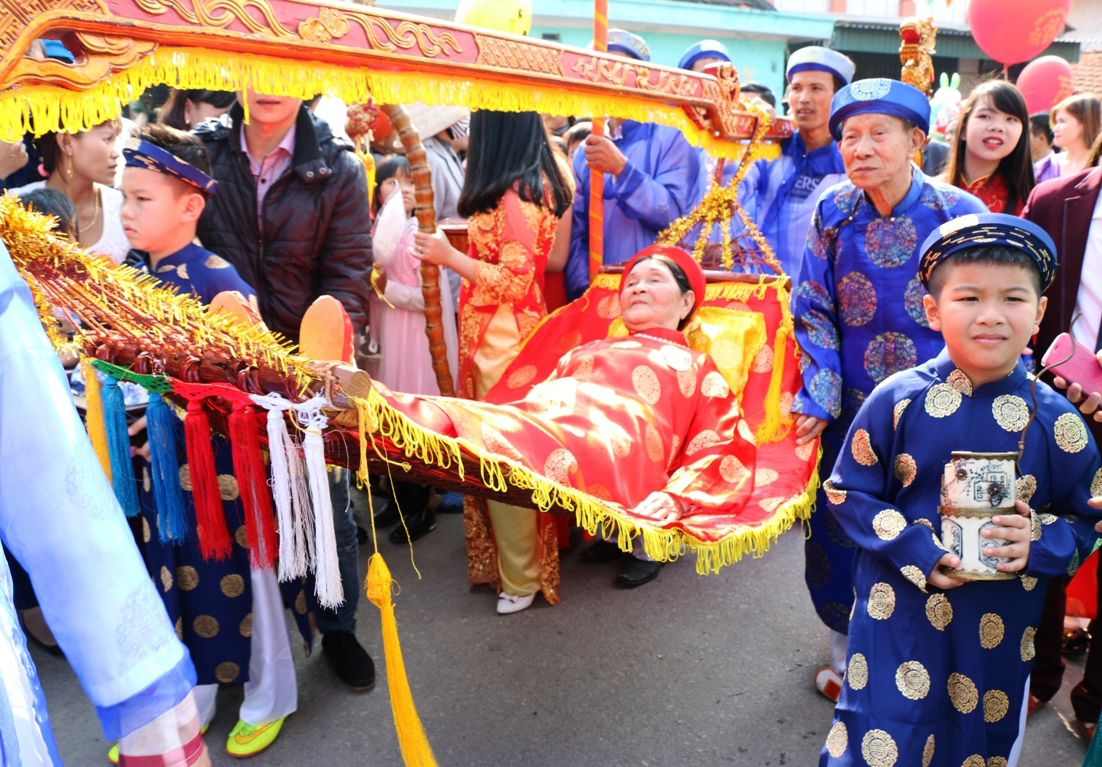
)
(862, 448)
(913, 680)
(963, 693)
(837, 740)
(1070, 433)
(939, 611)
(879, 749)
(995, 705)
(857, 674)
(991, 631)
(888, 524)
(881, 601)
(1011, 412)
(942, 400)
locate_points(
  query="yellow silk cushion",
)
(730, 337)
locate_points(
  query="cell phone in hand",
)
(1077, 363)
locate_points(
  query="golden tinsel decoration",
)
(719, 206)
(120, 307)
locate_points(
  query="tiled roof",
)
(1088, 71)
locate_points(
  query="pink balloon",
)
(1010, 31)
(1045, 82)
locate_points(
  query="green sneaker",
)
(246, 740)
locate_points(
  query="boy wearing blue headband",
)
(230, 616)
(165, 186)
(937, 666)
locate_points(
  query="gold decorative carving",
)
(916, 53)
(724, 93)
(15, 15)
(510, 54)
(406, 35)
(98, 58)
(328, 25)
(220, 14)
(672, 83)
(597, 69)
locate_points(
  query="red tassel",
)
(252, 480)
(214, 538)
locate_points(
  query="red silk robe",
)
(619, 418)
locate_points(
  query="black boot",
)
(418, 518)
(353, 665)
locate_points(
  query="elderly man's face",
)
(877, 149)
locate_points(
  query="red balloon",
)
(1045, 82)
(1010, 31)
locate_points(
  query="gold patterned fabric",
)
(617, 421)
(510, 244)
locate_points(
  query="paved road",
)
(684, 671)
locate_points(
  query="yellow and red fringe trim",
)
(41, 108)
(378, 419)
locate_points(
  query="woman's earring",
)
(69, 169)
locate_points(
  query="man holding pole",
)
(650, 174)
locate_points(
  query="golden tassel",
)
(368, 160)
(93, 419)
(416, 751)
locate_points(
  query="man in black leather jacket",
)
(292, 215)
(311, 233)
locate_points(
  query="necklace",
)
(95, 213)
(660, 340)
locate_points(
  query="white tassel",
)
(290, 565)
(300, 493)
(292, 500)
(327, 573)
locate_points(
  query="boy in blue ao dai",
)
(937, 667)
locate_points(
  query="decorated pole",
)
(597, 180)
(425, 211)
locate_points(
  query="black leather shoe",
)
(600, 552)
(418, 528)
(636, 572)
(386, 515)
(353, 665)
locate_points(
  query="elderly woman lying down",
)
(642, 422)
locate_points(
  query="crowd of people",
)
(921, 303)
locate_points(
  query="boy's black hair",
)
(578, 132)
(185, 146)
(51, 202)
(984, 255)
(766, 93)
